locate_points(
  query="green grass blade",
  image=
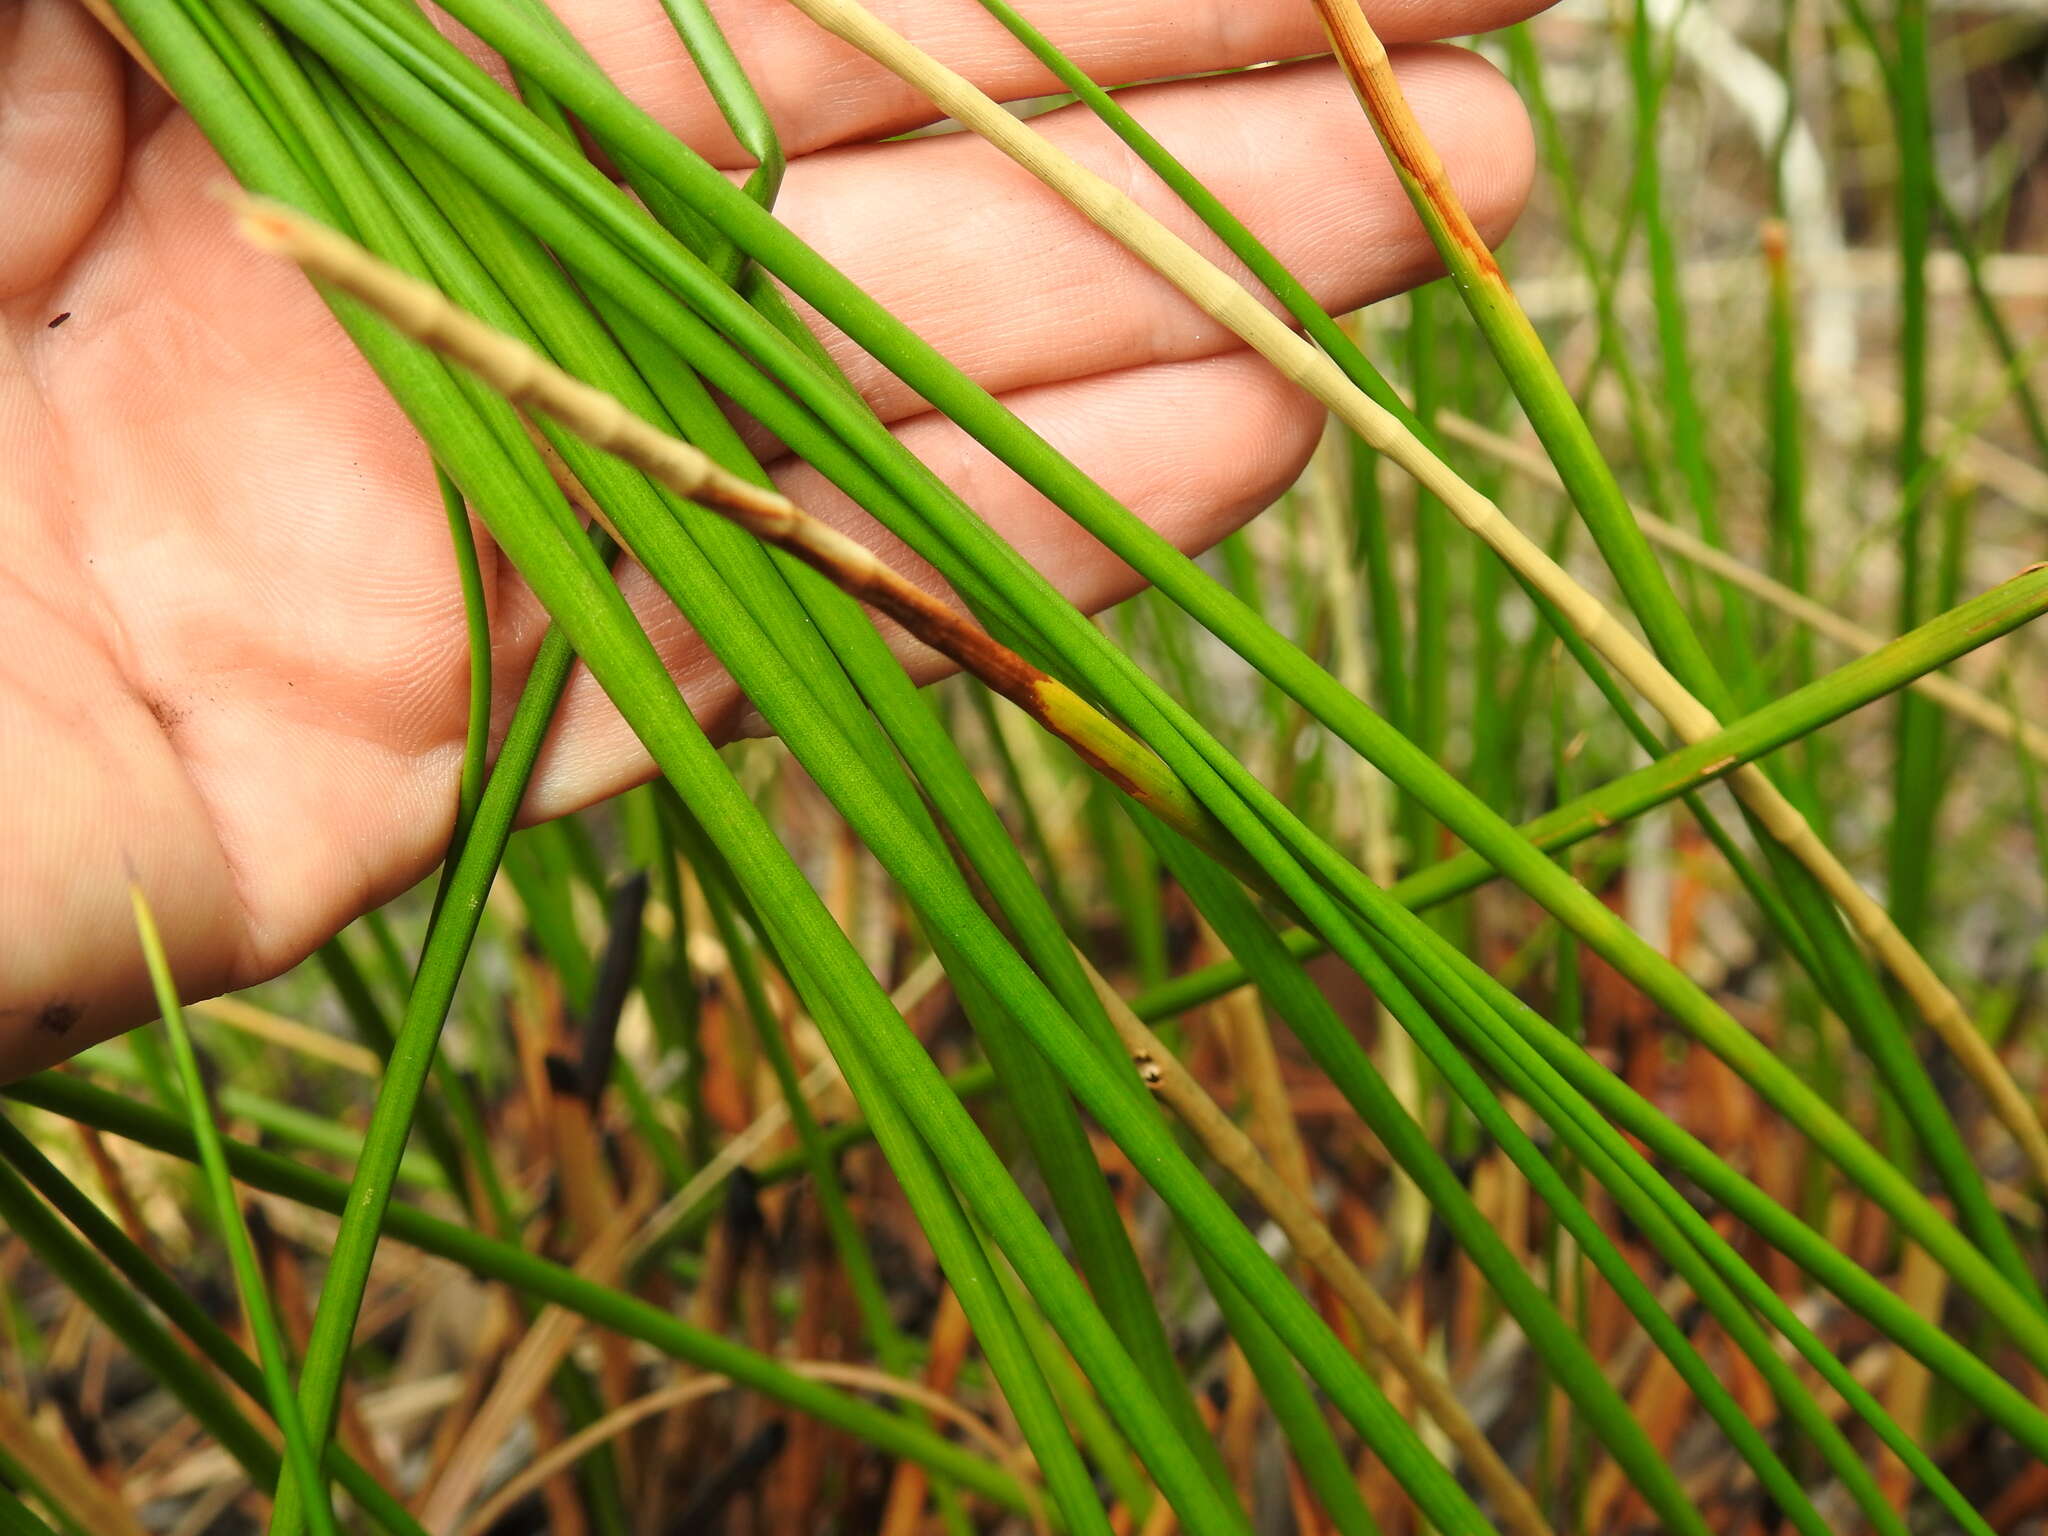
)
(301, 1454)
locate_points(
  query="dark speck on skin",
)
(59, 320)
(166, 714)
(56, 1018)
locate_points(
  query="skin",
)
(232, 659)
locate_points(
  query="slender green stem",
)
(477, 621)
(1917, 777)
(527, 1273)
(88, 1278)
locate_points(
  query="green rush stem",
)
(476, 613)
(722, 622)
(525, 1272)
(970, 1271)
(1788, 560)
(1917, 777)
(1432, 707)
(17, 1519)
(1293, 1405)
(413, 1052)
(1842, 970)
(257, 1311)
(328, 1350)
(795, 730)
(723, 900)
(1051, 872)
(1496, 733)
(1375, 553)
(1688, 443)
(438, 1121)
(311, 1130)
(1790, 718)
(1614, 353)
(1315, 1024)
(86, 1274)
(890, 1346)
(2011, 356)
(1294, 997)
(251, 50)
(1788, 464)
(599, 106)
(1056, 1133)
(299, 121)
(1058, 1140)
(1562, 1456)
(1114, 1463)
(733, 93)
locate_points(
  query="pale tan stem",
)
(736, 1150)
(519, 373)
(1365, 60)
(67, 1481)
(1318, 1247)
(1224, 300)
(1963, 702)
(273, 1029)
(521, 1380)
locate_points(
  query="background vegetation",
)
(904, 1125)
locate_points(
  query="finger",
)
(821, 92)
(1018, 288)
(1196, 448)
(60, 137)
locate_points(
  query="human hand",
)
(232, 653)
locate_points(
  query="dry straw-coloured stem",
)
(521, 1380)
(288, 1034)
(527, 379)
(69, 1483)
(1962, 702)
(859, 1378)
(1225, 301)
(1318, 1247)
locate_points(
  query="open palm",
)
(232, 658)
